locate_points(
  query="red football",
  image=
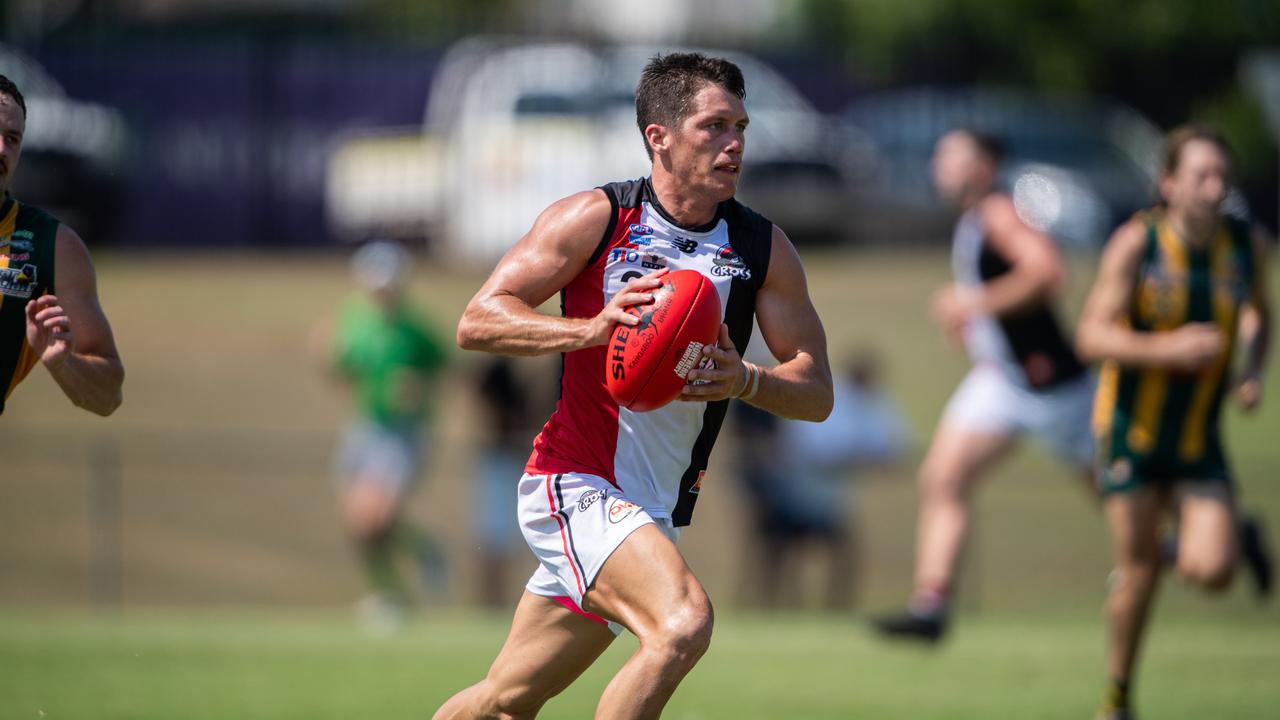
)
(649, 362)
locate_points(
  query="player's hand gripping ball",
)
(649, 362)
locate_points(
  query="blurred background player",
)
(1025, 376)
(800, 478)
(1178, 288)
(508, 424)
(55, 322)
(390, 357)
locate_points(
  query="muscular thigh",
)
(1134, 521)
(548, 647)
(958, 454)
(644, 582)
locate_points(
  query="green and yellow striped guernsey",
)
(1162, 424)
(28, 238)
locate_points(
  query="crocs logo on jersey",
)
(620, 510)
(728, 263)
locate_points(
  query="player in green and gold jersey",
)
(1179, 288)
(61, 326)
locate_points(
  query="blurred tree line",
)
(1173, 60)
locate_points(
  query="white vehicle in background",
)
(510, 127)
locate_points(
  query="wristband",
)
(754, 372)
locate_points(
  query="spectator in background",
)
(800, 478)
(507, 431)
(391, 358)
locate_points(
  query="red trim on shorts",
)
(564, 537)
(568, 602)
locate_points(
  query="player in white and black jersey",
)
(1025, 377)
(606, 490)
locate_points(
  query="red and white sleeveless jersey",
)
(655, 458)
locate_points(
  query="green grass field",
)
(228, 578)
(315, 666)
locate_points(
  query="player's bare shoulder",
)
(574, 220)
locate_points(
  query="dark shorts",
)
(1124, 472)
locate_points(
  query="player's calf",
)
(489, 700)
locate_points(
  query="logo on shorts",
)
(1120, 471)
(589, 499)
(620, 510)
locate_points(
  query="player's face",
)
(957, 166)
(1200, 182)
(706, 148)
(13, 125)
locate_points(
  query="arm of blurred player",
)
(1102, 335)
(1035, 275)
(799, 386)
(1255, 327)
(502, 317)
(70, 334)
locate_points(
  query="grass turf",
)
(280, 666)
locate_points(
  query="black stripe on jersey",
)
(568, 529)
(1033, 334)
(608, 191)
(752, 238)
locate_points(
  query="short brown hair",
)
(668, 84)
(7, 87)
(1178, 138)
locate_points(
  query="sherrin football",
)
(648, 363)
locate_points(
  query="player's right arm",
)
(1102, 334)
(503, 318)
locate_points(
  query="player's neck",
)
(684, 204)
(1195, 231)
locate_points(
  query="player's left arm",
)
(1255, 326)
(799, 386)
(70, 334)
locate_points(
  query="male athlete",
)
(607, 491)
(67, 332)
(1178, 289)
(1025, 376)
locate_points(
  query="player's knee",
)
(1212, 574)
(686, 633)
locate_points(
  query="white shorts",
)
(989, 402)
(573, 522)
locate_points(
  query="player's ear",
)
(658, 138)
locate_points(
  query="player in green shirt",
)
(390, 357)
